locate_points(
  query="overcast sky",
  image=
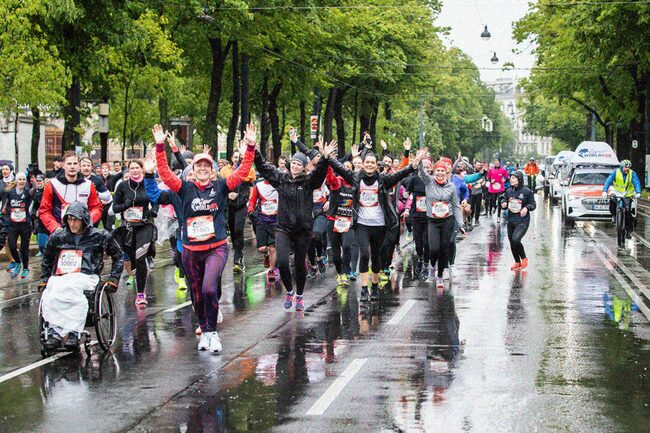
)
(467, 18)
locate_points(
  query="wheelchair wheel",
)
(41, 329)
(105, 320)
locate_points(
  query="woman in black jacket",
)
(519, 201)
(137, 233)
(375, 214)
(295, 203)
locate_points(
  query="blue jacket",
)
(461, 187)
(612, 176)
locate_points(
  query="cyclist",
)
(625, 182)
(531, 170)
(72, 263)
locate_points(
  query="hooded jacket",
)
(518, 197)
(64, 247)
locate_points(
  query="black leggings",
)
(495, 202)
(300, 241)
(440, 231)
(178, 257)
(140, 246)
(371, 239)
(475, 201)
(341, 250)
(236, 220)
(388, 248)
(350, 242)
(421, 238)
(516, 231)
(315, 248)
(24, 231)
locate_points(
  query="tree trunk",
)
(245, 90)
(388, 115)
(303, 122)
(329, 115)
(373, 120)
(354, 116)
(338, 116)
(315, 111)
(236, 95)
(36, 133)
(126, 111)
(219, 54)
(71, 116)
(265, 126)
(276, 133)
(163, 111)
(17, 159)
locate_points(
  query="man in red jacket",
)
(66, 188)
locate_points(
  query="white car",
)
(582, 196)
(556, 187)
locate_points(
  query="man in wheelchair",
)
(72, 263)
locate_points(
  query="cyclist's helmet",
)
(626, 163)
(532, 159)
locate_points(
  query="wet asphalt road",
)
(560, 347)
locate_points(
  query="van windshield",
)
(589, 178)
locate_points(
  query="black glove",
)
(111, 285)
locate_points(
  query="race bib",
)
(318, 195)
(200, 228)
(270, 207)
(342, 224)
(369, 197)
(440, 209)
(514, 205)
(133, 214)
(69, 262)
(496, 185)
(421, 204)
(18, 215)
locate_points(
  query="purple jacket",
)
(461, 187)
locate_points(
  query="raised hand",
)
(206, 149)
(407, 144)
(171, 140)
(383, 144)
(293, 134)
(355, 150)
(149, 163)
(250, 134)
(329, 149)
(158, 134)
(419, 156)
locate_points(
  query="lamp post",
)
(494, 58)
(485, 34)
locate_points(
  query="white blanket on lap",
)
(64, 304)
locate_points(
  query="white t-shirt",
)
(370, 212)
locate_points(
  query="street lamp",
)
(485, 35)
(494, 58)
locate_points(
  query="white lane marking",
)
(631, 293)
(13, 300)
(642, 239)
(178, 307)
(403, 310)
(29, 367)
(335, 388)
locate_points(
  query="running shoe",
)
(516, 266)
(141, 299)
(182, 284)
(300, 303)
(342, 280)
(238, 265)
(384, 275)
(270, 276)
(418, 267)
(204, 341)
(353, 276)
(322, 266)
(364, 294)
(524, 263)
(198, 331)
(177, 276)
(432, 274)
(446, 274)
(16, 270)
(440, 283)
(24, 274)
(498, 220)
(11, 266)
(214, 342)
(219, 316)
(150, 263)
(267, 260)
(313, 271)
(288, 300)
(130, 281)
(39, 254)
(374, 292)
(325, 259)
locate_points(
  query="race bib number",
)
(496, 185)
(200, 228)
(369, 197)
(134, 214)
(270, 207)
(440, 209)
(69, 262)
(514, 205)
(18, 215)
(318, 195)
(421, 204)
(342, 224)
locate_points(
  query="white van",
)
(555, 174)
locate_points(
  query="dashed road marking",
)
(335, 388)
(178, 307)
(403, 310)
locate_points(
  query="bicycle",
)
(624, 206)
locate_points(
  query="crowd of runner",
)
(306, 211)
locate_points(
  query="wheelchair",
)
(101, 316)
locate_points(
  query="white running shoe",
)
(204, 341)
(219, 316)
(215, 342)
(432, 275)
(446, 274)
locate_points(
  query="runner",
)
(16, 211)
(519, 201)
(476, 194)
(375, 214)
(443, 210)
(137, 233)
(497, 178)
(263, 208)
(205, 246)
(416, 209)
(295, 222)
(36, 195)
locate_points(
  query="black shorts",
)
(265, 234)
